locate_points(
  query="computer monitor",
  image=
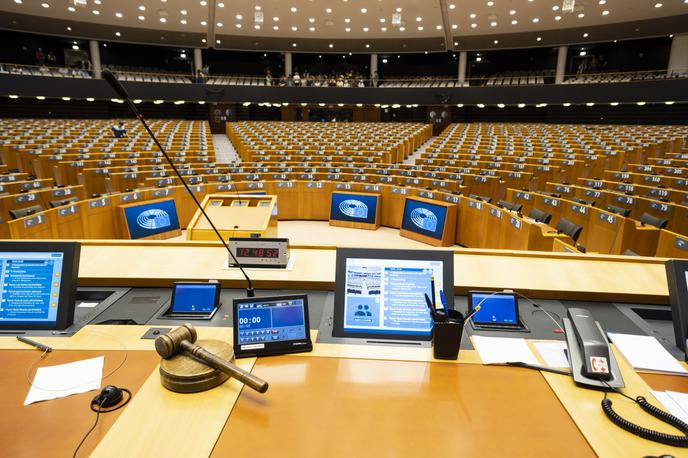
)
(497, 310)
(380, 293)
(194, 300)
(677, 281)
(354, 207)
(38, 285)
(424, 218)
(151, 218)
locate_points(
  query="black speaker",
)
(677, 280)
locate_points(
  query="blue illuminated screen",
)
(151, 219)
(194, 298)
(30, 287)
(388, 295)
(356, 208)
(424, 218)
(496, 309)
(276, 320)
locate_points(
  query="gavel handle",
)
(228, 368)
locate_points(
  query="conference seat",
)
(647, 219)
(22, 212)
(569, 228)
(540, 216)
(514, 207)
(625, 212)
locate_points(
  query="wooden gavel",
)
(183, 338)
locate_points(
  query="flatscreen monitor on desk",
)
(38, 285)
(150, 219)
(677, 281)
(354, 207)
(424, 218)
(380, 294)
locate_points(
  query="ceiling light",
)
(275, 27)
(420, 28)
(221, 5)
(220, 24)
(418, 19)
(512, 12)
(328, 10)
(75, 47)
(590, 104)
(614, 104)
(294, 28)
(581, 15)
(293, 9)
(119, 15)
(496, 42)
(45, 5)
(348, 29)
(490, 3)
(90, 99)
(203, 3)
(367, 45)
(137, 101)
(312, 20)
(347, 20)
(203, 40)
(331, 45)
(118, 34)
(183, 21)
(460, 105)
(364, 10)
(521, 105)
(514, 22)
(293, 45)
(204, 23)
(365, 29)
(567, 104)
(641, 103)
(257, 7)
(658, 5)
(384, 29)
(157, 102)
(538, 39)
(183, 55)
(669, 102)
(382, 19)
(398, 10)
(582, 53)
(480, 105)
(218, 41)
(438, 27)
(478, 59)
(472, 15)
(179, 102)
(69, 29)
(239, 17)
(402, 29)
(454, 26)
(71, 9)
(536, 20)
(474, 25)
(40, 97)
(605, 12)
(142, 8)
(163, 20)
(96, 12)
(384, 61)
(557, 18)
(312, 29)
(493, 24)
(500, 105)
(456, 43)
(585, 35)
(238, 26)
(257, 26)
(141, 18)
(602, 2)
(18, 2)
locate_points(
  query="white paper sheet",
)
(88, 305)
(503, 350)
(52, 382)
(553, 353)
(670, 405)
(645, 352)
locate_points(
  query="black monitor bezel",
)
(415, 230)
(484, 324)
(70, 271)
(272, 348)
(446, 256)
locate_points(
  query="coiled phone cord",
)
(645, 433)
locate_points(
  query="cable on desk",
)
(539, 307)
(98, 411)
(645, 433)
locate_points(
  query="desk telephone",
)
(593, 364)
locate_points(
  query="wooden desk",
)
(347, 407)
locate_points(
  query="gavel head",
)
(169, 344)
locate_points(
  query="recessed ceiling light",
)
(347, 20)
(496, 42)
(539, 38)
(97, 2)
(328, 10)
(90, 99)
(472, 15)
(293, 9)
(69, 29)
(614, 104)
(590, 104)
(312, 29)
(514, 22)
(163, 20)
(418, 19)
(585, 35)
(40, 97)
(203, 3)
(204, 23)
(118, 34)
(500, 105)
(276, 19)
(239, 17)
(218, 41)
(275, 27)
(605, 12)
(71, 9)
(555, 8)
(668, 102)
(474, 25)
(602, 2)
(557, 18)
(367, 45)
(348, 29)
(183, 12)
(18, 2)
(221, 5)
(512, 12)
(257, 7)
(581, 15)
(420, 28)
(382, 20)
(456, 43)
(402, 29)
(384, 29)
(294, 28)
(490, 3)
(238, 26)
(641, 103)
(293, 45)
(119, 15)
(312, 20)
(141, 18)
(478, 59)
(142, 8)
(493, 24)
(331, 45)
(398, 10)
(203, 40)
(480, 105)
(452, 6)
(365, 29)
(454, 26)
(438, 27)
(96, 12)
(364, 10)
(567, 104)
(183, 21)
(658, 5)
(45, 5)
(75, 47)
(536, 20)
(582, 53)
(257, 26)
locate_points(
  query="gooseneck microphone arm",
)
(119, 89)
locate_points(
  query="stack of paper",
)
(495, 350)
(553, 353)
(675, 403)
(54, 382)
(646, 353)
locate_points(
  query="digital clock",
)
(260, 252)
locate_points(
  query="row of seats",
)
(519, 78)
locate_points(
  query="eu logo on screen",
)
(424, 219)
(153, 219)
(354, 208)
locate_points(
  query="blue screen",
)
(424, 218)
(30, 287)
(190, 298)
(353, 207)
(497, 309)
(388, 295)
(151, 219)
(274, 320)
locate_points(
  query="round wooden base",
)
(184, 374)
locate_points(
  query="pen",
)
(432, 290)
(33, 343)
(430, 306)
(444, 302)
(470, 315)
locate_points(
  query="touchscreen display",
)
(272, 320)
(357, 208)
(388, 295)
(194, 298)
(30, 287)
(495, 309)
(424, 218)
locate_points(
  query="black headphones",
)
(109, 398)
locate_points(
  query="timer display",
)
(257, 252)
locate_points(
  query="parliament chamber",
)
(296, 229)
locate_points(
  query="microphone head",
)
(115, 84)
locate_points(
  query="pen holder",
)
(447, 335)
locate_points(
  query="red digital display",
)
(269, 253)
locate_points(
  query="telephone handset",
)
(593, 364)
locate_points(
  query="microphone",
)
(119, 89)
